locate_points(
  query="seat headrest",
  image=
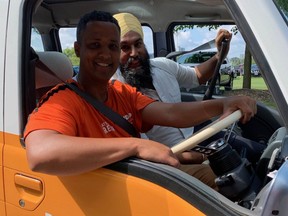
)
(57, 62)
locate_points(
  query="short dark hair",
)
(94, 16)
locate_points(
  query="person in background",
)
(66, 135)
(161, 79)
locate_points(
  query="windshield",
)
(195, 57)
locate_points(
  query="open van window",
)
(67, 38)
(36, 40)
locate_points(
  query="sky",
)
(186, 40)
(193, 38)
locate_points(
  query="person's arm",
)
(205, 70)
(53, 153)
(188, 114)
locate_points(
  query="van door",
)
(3, 23)
(22, 192)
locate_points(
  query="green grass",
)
(256, 83)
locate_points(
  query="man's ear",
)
(77, 48)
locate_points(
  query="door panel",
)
(3, 23)
(23, 191)
(101, 192)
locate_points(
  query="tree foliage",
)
(186, 27)
(178, 28)
(283, 4)
(70, 53)
(236, 61)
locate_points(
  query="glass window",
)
(36, 40)
(231, 74)
(68, 37)
(148, 40)
(190, 38)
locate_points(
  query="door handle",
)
(28, 182)
(30, 191)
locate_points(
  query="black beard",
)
(138, 77)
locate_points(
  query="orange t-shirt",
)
(68, 113)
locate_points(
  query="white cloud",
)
(67, 37)
(186, 40)
(192, 38)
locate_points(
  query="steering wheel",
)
(206, 132)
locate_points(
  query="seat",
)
(52, 69)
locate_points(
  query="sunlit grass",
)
(256, 83)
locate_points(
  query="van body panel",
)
(101, 192)
(97, 192)
(12, 105)
(4, 10)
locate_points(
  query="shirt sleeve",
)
(137, 102)
(54, 114)
(186, 76)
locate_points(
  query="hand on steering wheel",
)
(206, 132)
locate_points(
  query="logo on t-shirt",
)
(106, 127)
(128, 116)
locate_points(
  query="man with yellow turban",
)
(153, 76)
(161, 79)
(127, 23)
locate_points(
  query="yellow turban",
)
(128, 22)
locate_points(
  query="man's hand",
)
(156, 152)
(247, 105)
(221, 35)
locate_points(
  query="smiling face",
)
(134, 61)
(99, 52)
(133, 47)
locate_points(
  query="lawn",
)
(256, 83)
(258, 91)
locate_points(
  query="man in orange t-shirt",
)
(66, 136)
(75, 111)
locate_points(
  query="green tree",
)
(283, 4)
(178, 28)
(235, 61)
(234, 30)
(186, 27)
(70, 53)
(247, 69)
